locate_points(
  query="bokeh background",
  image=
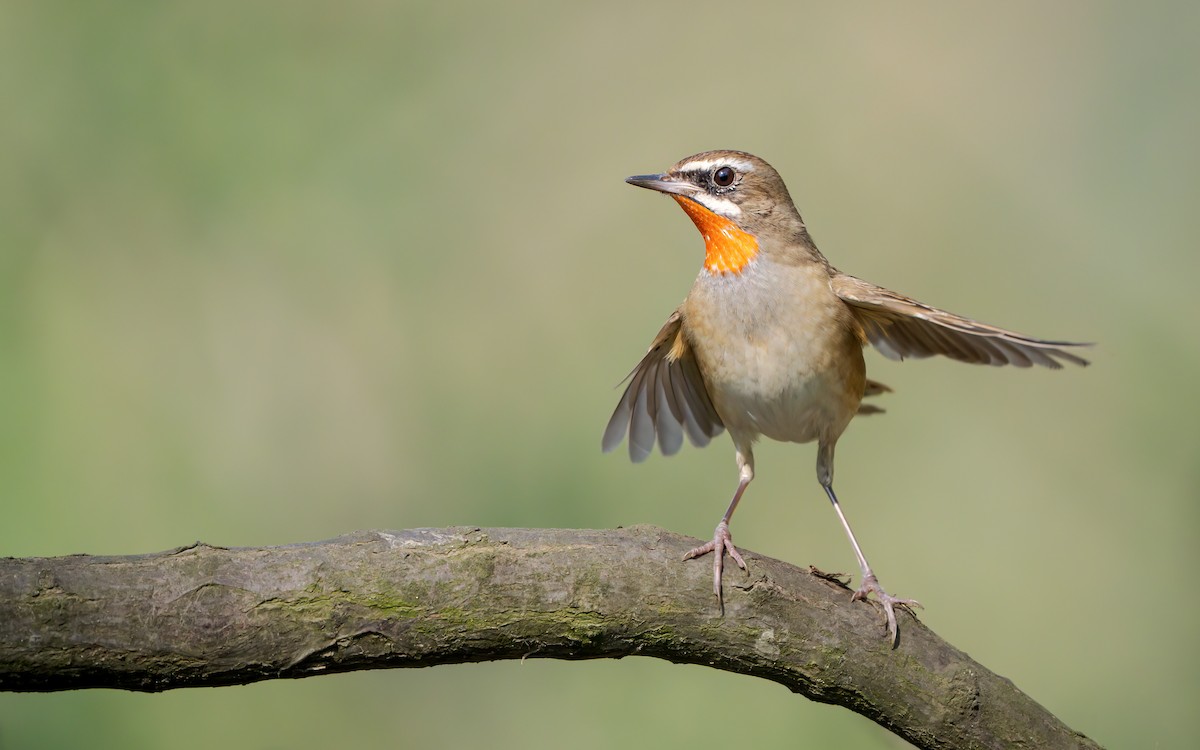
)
(272, 272)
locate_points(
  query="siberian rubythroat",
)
(769, 341)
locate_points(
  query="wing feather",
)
(706, 416)
(666, 398)
(688, 415)
(900, 327)
(641, 423)
(667, 422)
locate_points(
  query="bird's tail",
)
(873, 388)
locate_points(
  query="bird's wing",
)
(665, 398)
(901, 327)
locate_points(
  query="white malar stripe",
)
(703, 165)
(718, 205)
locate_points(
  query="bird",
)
(769, 343)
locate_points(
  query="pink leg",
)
(870, 584)
(722, 540)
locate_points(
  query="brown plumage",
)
(769, 340)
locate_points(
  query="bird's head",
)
(737, 201)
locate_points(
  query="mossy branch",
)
(204, 615)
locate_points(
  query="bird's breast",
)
(778, 350)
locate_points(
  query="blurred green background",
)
(274, 272)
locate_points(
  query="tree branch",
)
(204, 615)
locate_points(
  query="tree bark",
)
(204, 615)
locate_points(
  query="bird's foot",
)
(721, 543)
(870, 585)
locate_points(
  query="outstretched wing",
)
(665, 398)
(901, 327)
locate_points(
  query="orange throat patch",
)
(727, 249)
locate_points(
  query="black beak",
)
(663, 183)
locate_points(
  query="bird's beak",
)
(663, 183)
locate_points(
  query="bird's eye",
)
(723, 177)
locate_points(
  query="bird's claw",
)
(870, 585)
(721, 543)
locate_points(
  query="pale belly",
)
(791, 371)
(807, 407)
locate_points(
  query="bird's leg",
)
(722, 540)
(870, 584)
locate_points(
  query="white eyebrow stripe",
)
(718, 205)
(703, 165)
